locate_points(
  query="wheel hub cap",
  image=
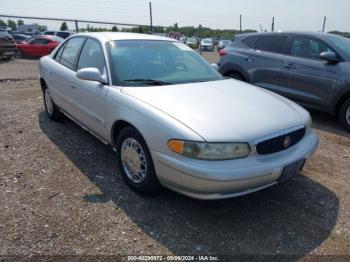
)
(48, 101)
(133, 160)
(347, 116)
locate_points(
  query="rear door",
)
(306, 78)
(91, 95)
(265, 62)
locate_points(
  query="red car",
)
(38, 46)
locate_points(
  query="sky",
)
(224, 14)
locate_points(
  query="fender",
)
(226, 68)
(343, 93)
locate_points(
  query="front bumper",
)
(8, 50)
(209, 48)
(225, 179)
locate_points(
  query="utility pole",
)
(76, 26)
(150, 16)
(273, 24)
(240, 24)
(324, 24)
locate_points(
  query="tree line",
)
(189, 31)
(11, 23)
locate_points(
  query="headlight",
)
(210, 151)
(309, 124)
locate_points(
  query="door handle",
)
(248, 59)
(73, 86)
(289, 65)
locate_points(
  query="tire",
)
(132, 149)
(237, 77)
(344, 114)
(19, 54)
(51, 109)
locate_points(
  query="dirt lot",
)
(61, 194)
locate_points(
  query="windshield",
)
(144, 62)
(224, 42)
(207, 41)
(4, 34)
(192, 40)
(341, 43)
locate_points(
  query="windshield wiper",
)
(147, 81)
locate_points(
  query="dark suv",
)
(7, 45)
(311, 68)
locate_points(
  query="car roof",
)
(111, 36)
(304, 33)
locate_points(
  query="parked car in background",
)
(62, 34)
(7, 45)
(172, 118)
(19, 38)
(183, 39)
(223, 43)
(38, 46)
(313, 69)
(207, 44)
(192, 42)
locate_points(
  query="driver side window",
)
(308, 48)
(40, 41)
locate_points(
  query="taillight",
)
(222, 52)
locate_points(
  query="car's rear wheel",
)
(236, 76)
(19, 54)
(344, 114)
(51, 109)
(135, 162)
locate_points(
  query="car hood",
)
(224, 111)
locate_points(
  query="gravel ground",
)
(61, 194)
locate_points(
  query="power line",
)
(72, 20)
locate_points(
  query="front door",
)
(91, 95)
(306, 77)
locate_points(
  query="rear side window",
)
(273, 44)
(40, 41)
(250, 41)
(92, 56)
(70, 52)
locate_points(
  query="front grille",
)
(280, 143)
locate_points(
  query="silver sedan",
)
(173, 120)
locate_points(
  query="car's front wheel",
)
(344, 114)
(51, 109)
(135, 162)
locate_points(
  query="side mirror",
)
(215, 66)
(91, 74)
(330, 57)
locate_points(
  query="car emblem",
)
(287, 141)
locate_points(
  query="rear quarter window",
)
(250, 41)
(273, 44)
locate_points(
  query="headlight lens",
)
(210, 151)
(309, 124)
